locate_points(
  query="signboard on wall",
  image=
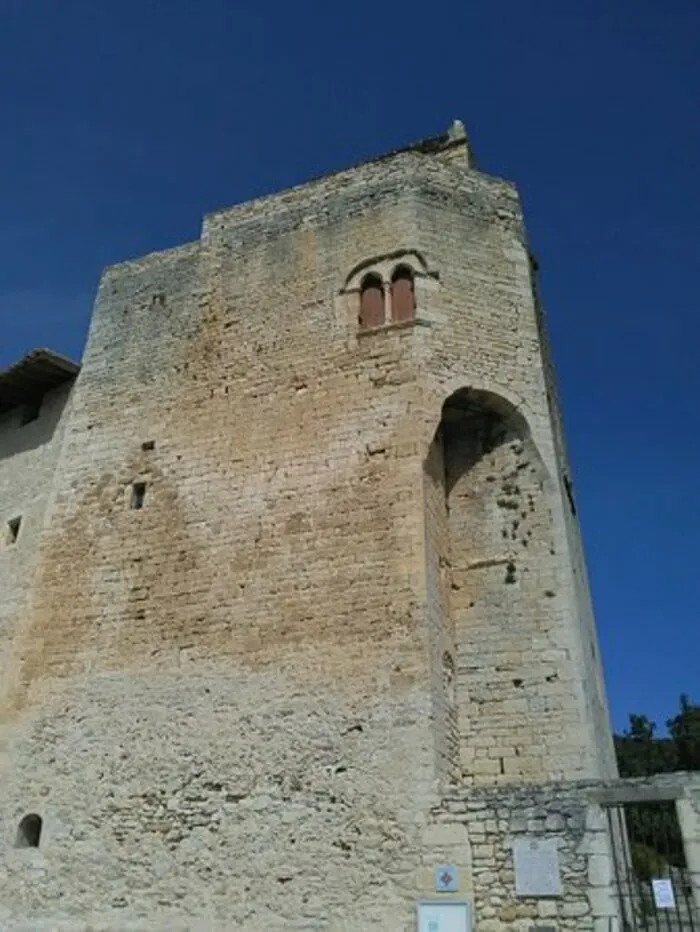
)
(536, 863)
(664, 897)
(443, 916)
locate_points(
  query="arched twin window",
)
(383, 305)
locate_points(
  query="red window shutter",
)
(403, 299)
(372, 304)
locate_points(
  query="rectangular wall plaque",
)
(444, 916)
(536, 867)
(664, 897)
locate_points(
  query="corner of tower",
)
(459, 148)
(452, 146)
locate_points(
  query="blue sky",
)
(124, 121)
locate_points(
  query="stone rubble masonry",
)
(477, 829)
(28, 459)
(237, 706)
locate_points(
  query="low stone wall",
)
(571, 815)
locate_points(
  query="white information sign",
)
(536, 864)
(444, 916)
(663, 893)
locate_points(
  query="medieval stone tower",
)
(291, 557)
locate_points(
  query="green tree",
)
(640, 754)
(684, 729)
(653, 829)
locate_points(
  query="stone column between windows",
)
(388, 306)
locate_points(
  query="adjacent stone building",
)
(292, 582)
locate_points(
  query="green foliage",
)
(654, 835)
(684, 729)
(646, 862)
(640, 754)
(655, 839)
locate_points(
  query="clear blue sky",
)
(124, 121)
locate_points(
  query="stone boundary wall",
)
(572, 814)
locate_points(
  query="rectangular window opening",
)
(13, 527)
(138, 494)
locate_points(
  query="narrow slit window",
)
(138, 494)
(569, 486)
(448, 678)
(13, 527)
(29, 831)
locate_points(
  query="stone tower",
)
(297, 554)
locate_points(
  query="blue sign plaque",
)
(445, 878)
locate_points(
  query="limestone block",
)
(600, 870)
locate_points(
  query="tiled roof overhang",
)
(34, 375)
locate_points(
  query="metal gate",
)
(650, 871)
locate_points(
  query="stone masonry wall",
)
(596, 695)
(484, 335)
(509, 674)
(564, 813)
(233, 707)
(440, 621)
(223, 711)
(28, 457)
(476, 830)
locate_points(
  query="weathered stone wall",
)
(28, 458)
(484, 335)
(591, 658)
(509, 670)
(440, 619)
(234, 704)
(494, 818)
(257, 625)
(476, 831)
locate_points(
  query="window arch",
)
(29, 831)
(403, 294)
(371, 302)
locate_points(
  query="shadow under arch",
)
(479, 400)
(488, 419)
